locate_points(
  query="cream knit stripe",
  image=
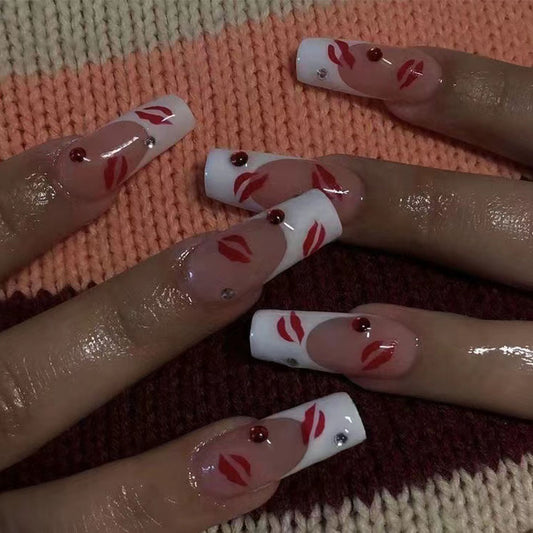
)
(498, 500)
(47, 35)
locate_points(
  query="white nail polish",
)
(329, 425)
(230, 183)
(314, 66)
(166, 120)
(310, 221)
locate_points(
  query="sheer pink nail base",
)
(351, 344)
(257, 454)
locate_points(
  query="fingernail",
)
(350, 344)
(95, 166)
(257, 181)
(254, 455)
(241, 259)
(366, 69)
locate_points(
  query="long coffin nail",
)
(254, 455)
(241, 259)
(351, 344)
(257, 180)
(94, 166)
(365, 69)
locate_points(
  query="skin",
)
(57, 367)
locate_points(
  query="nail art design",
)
(245, 257)
(96, 165)
(355, 345)
(364, 69)
(238, 461)
(257, 181)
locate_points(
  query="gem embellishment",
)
(360, 323)
(258, 434)
(227, 294)
(340, 439)
(297, 333)
(374, 54)
(322, 73)
(313, 424)
(291, 361)
(276, 216)
(77, 154)
(239, 159)
(150, 142)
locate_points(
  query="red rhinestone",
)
(360, 323)
(239, 159)
(77, 154)
(276, 216)
(374, 54)
(258, 433)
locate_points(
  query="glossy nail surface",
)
(94, 166)
(366, 69)
(241, 259)
(256, 180)
(257, 454)
(351, 344)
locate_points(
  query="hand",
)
(480, 224)
(62, 364)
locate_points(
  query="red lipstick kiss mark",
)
(309, 421)
(383, 351)
(235, 248)
(314, 239)
(326, 182)
(252, 181)
(413, 73)
(296, 325)
(154, 118)
(230, 471)
(115, 171)
(346, 56)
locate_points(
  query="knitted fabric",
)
(72, 65)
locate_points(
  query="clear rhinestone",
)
(150, 142)
(227, 294)
(340, 439)
(322, 73)
(291, 361)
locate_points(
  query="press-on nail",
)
(366, 69)
(241, 259)
(255, 455)
(94, 166)
(256, 180)
(351, 344)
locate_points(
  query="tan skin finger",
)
(465, 361)
(149, 492)
(480, 101)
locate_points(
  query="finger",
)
(51, 190)
(202, 479)
(476, 99)
(60, 365)
(436, 356)
(460, 220)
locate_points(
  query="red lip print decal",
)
(383, 352)
(346, 57)
(229, 467)
(162, 117)
(296, 325)
(326, 182)
(313, 418)
(235, 248)
(115, 171)
(413, 73)
(249, 182)
(314, 239)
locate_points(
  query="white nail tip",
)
(166, 120)
(311, 221)
(314, 66)
(220, 176)
(329, 425)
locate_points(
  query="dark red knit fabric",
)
(408, 440)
